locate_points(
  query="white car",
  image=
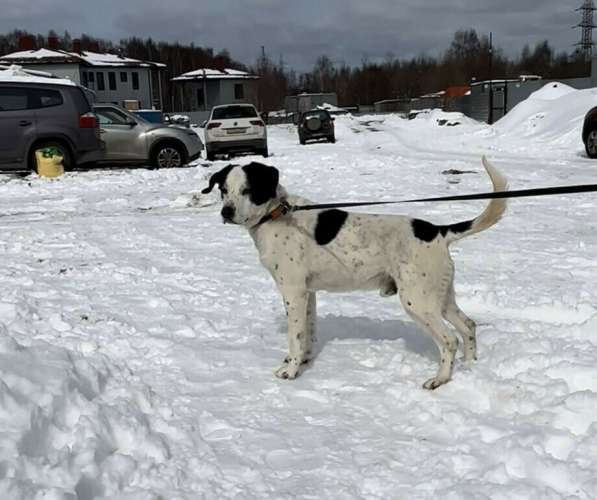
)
(235, 128)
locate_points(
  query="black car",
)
(589, 133)
(316, 124)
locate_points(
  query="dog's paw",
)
(289, 369)
(434, 383)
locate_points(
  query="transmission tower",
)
(586, 40)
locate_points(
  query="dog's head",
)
(248, 192)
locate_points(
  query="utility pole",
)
(490, 118)
(586, 39)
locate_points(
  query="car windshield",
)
(322, 115)
(233, 112)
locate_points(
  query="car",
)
(316, 124)
(235, 128)
(42, 112)
(130, 139)
(589, 132)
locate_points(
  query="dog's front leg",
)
(296, 302)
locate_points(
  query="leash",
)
(521, 193)
(284, 207)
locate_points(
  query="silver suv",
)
(36, 113)
(130, 139)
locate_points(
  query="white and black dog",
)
(333, 250)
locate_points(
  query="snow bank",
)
(71, 426)
(554, 114)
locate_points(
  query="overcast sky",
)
(301, 30)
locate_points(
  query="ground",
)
(138, 334)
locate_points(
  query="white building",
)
(113, 78)
(204, 88)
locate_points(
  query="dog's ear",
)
(218, 178)
(263, 182)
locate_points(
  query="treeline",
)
(469, 57)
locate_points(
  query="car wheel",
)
(332, 139)
(210, 156)
(168, 156)
(68, 163)
(591, 144)
(264, 153)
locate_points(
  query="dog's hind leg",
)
(296, 302)
(464, 325)
(424, 307)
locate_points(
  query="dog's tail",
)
(490, 216)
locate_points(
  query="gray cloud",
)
(300, 31)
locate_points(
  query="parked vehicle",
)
(316, 124)
(235, 128)
(589, 133)
(129, 139)
(39, 113)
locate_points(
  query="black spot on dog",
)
(329, 223)
(426, 231)
(262, 182)
(461, 227)
(218, 178)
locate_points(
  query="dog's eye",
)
(245, 191)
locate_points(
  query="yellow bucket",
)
(49, 162)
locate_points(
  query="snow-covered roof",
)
(16, 74)
(46, 56)
(216, 74)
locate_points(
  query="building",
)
(304, 102)
(112, 77)
(202, 89)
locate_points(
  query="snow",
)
(139, 335)
(215, 74)
(91, 58)
(16, 74)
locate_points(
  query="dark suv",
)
(589, 133)
(37, 114)
(316, 124)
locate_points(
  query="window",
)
(13, 99)
(228, 112)
(124, 77)
(200, 98)
(90, 77)
(111, 116)
(84, 79)
(45, 98)
(239, 91)
(112, 80)
(135, 80)
(100, 81)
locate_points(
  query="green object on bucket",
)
(50, 152)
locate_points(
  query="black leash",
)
(547, 191)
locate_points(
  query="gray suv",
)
(130, 139)
(39, 114)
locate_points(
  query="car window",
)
(231, 112)
(13, 99)
(45, 98)
(322, 115)
(110, 116)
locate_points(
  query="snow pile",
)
(71, 426)
(440, 117)
(554, 114)
(16, 74)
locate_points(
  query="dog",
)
(337, 251)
